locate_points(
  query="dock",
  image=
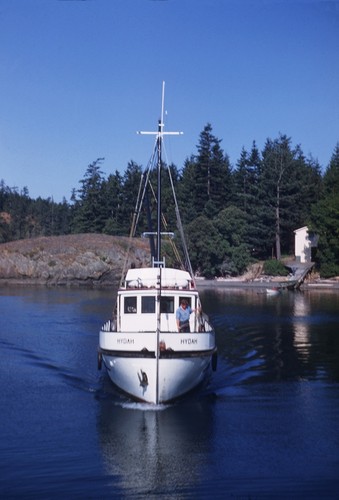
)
(300, 271)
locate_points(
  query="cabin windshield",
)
(130, 305)
(167, 305)
(148, 304)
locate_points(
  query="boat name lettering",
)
(125, 341)
(189, 341)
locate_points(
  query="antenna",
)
(160, 132)
(162, 104)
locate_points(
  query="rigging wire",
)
(132, 230)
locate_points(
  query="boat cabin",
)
(138, 299)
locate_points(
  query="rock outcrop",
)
(72, 260)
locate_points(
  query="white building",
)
(304, 242)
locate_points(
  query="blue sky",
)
(79, 78)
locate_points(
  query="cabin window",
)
(148, 304)
(188, 300)
(130, 305)
(167, 305)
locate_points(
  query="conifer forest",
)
(232, 215)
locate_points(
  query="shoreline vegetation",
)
(97, 260)
(267, 283)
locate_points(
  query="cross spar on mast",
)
(159, 138)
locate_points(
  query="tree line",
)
(231, 215)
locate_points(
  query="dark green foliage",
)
(246, 178)
(89, 210)
(275, 268)
(235, 261)
(331, 177)
(208, 177)
(329, 270)
(324, 220)
(232, 226)
(205, 247)
(130, 189)
(249, 196)
(113, 200)
(22, 217)
(185, 191)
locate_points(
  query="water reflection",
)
(154, 450)
(293, 336)
(301, 310)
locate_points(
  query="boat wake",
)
(143, 406)
(25, 357)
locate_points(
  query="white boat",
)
(145, 355)
(273, 291)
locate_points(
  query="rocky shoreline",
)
(97, 260)
(72, 260)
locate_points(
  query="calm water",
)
(267, 426)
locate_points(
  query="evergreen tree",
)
(240, 181)
(205, 246)
(89, 209)
(130, 188)
(19, 204)
(232, 225)
(5, 216)
(113, 196)
(40, 215)
(211, 188)
(324, 220)
(61, 218)
(246, 193)
(331, 177)
(280, 195)
(185, 191)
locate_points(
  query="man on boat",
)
(183, 317)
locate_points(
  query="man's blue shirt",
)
(183, 315)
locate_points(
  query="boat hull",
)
(156, 367)
(157, 381)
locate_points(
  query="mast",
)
(158, 262)
(160, 133)
(159, 140)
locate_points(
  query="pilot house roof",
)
(149, 278)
